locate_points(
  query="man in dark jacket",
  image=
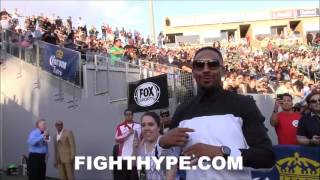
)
(219, 123)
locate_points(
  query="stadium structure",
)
(207, 28)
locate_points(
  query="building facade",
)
(237, 26)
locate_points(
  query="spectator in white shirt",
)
(33, 33)
(126, 133)
(5, 22)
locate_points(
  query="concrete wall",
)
(92, 122)
(266, 104)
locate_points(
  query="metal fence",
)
(32, 52)
(180, 84)
(112, 74)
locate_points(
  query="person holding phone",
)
(309, 125)
(286, 121)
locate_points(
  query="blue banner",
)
(60, 62)
(293, 162)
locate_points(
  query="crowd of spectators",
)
(74, 34)
(275, 69)
(286, 68)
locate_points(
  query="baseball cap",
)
(163, 112)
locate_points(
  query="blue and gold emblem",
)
(298, 168)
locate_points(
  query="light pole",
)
(151, 21)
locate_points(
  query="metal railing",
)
(180, 83)
(103, 64)
(32, 52)
(181, 86)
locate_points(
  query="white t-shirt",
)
(126, 147)
(212, 130)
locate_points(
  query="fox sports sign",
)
(147, 94)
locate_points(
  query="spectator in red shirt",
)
(286, 121)
(126, 134)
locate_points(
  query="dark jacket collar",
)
(207, 95)
(312, 114)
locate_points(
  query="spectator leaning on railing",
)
(116, 51)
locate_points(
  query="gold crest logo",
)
(298, 168)
(59, 54)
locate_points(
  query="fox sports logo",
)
(147, 94)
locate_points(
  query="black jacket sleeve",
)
(177, 116)
(181, 113)
(301, 131)
(260, 153)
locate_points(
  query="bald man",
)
(64, 152)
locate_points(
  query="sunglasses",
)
(200, 64)
(315, 101)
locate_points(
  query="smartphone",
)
(279, 96)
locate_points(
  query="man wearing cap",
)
(116, 51)
(165, 120)
(64, 152)
(219, 123)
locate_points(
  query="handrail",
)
(36, 54)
